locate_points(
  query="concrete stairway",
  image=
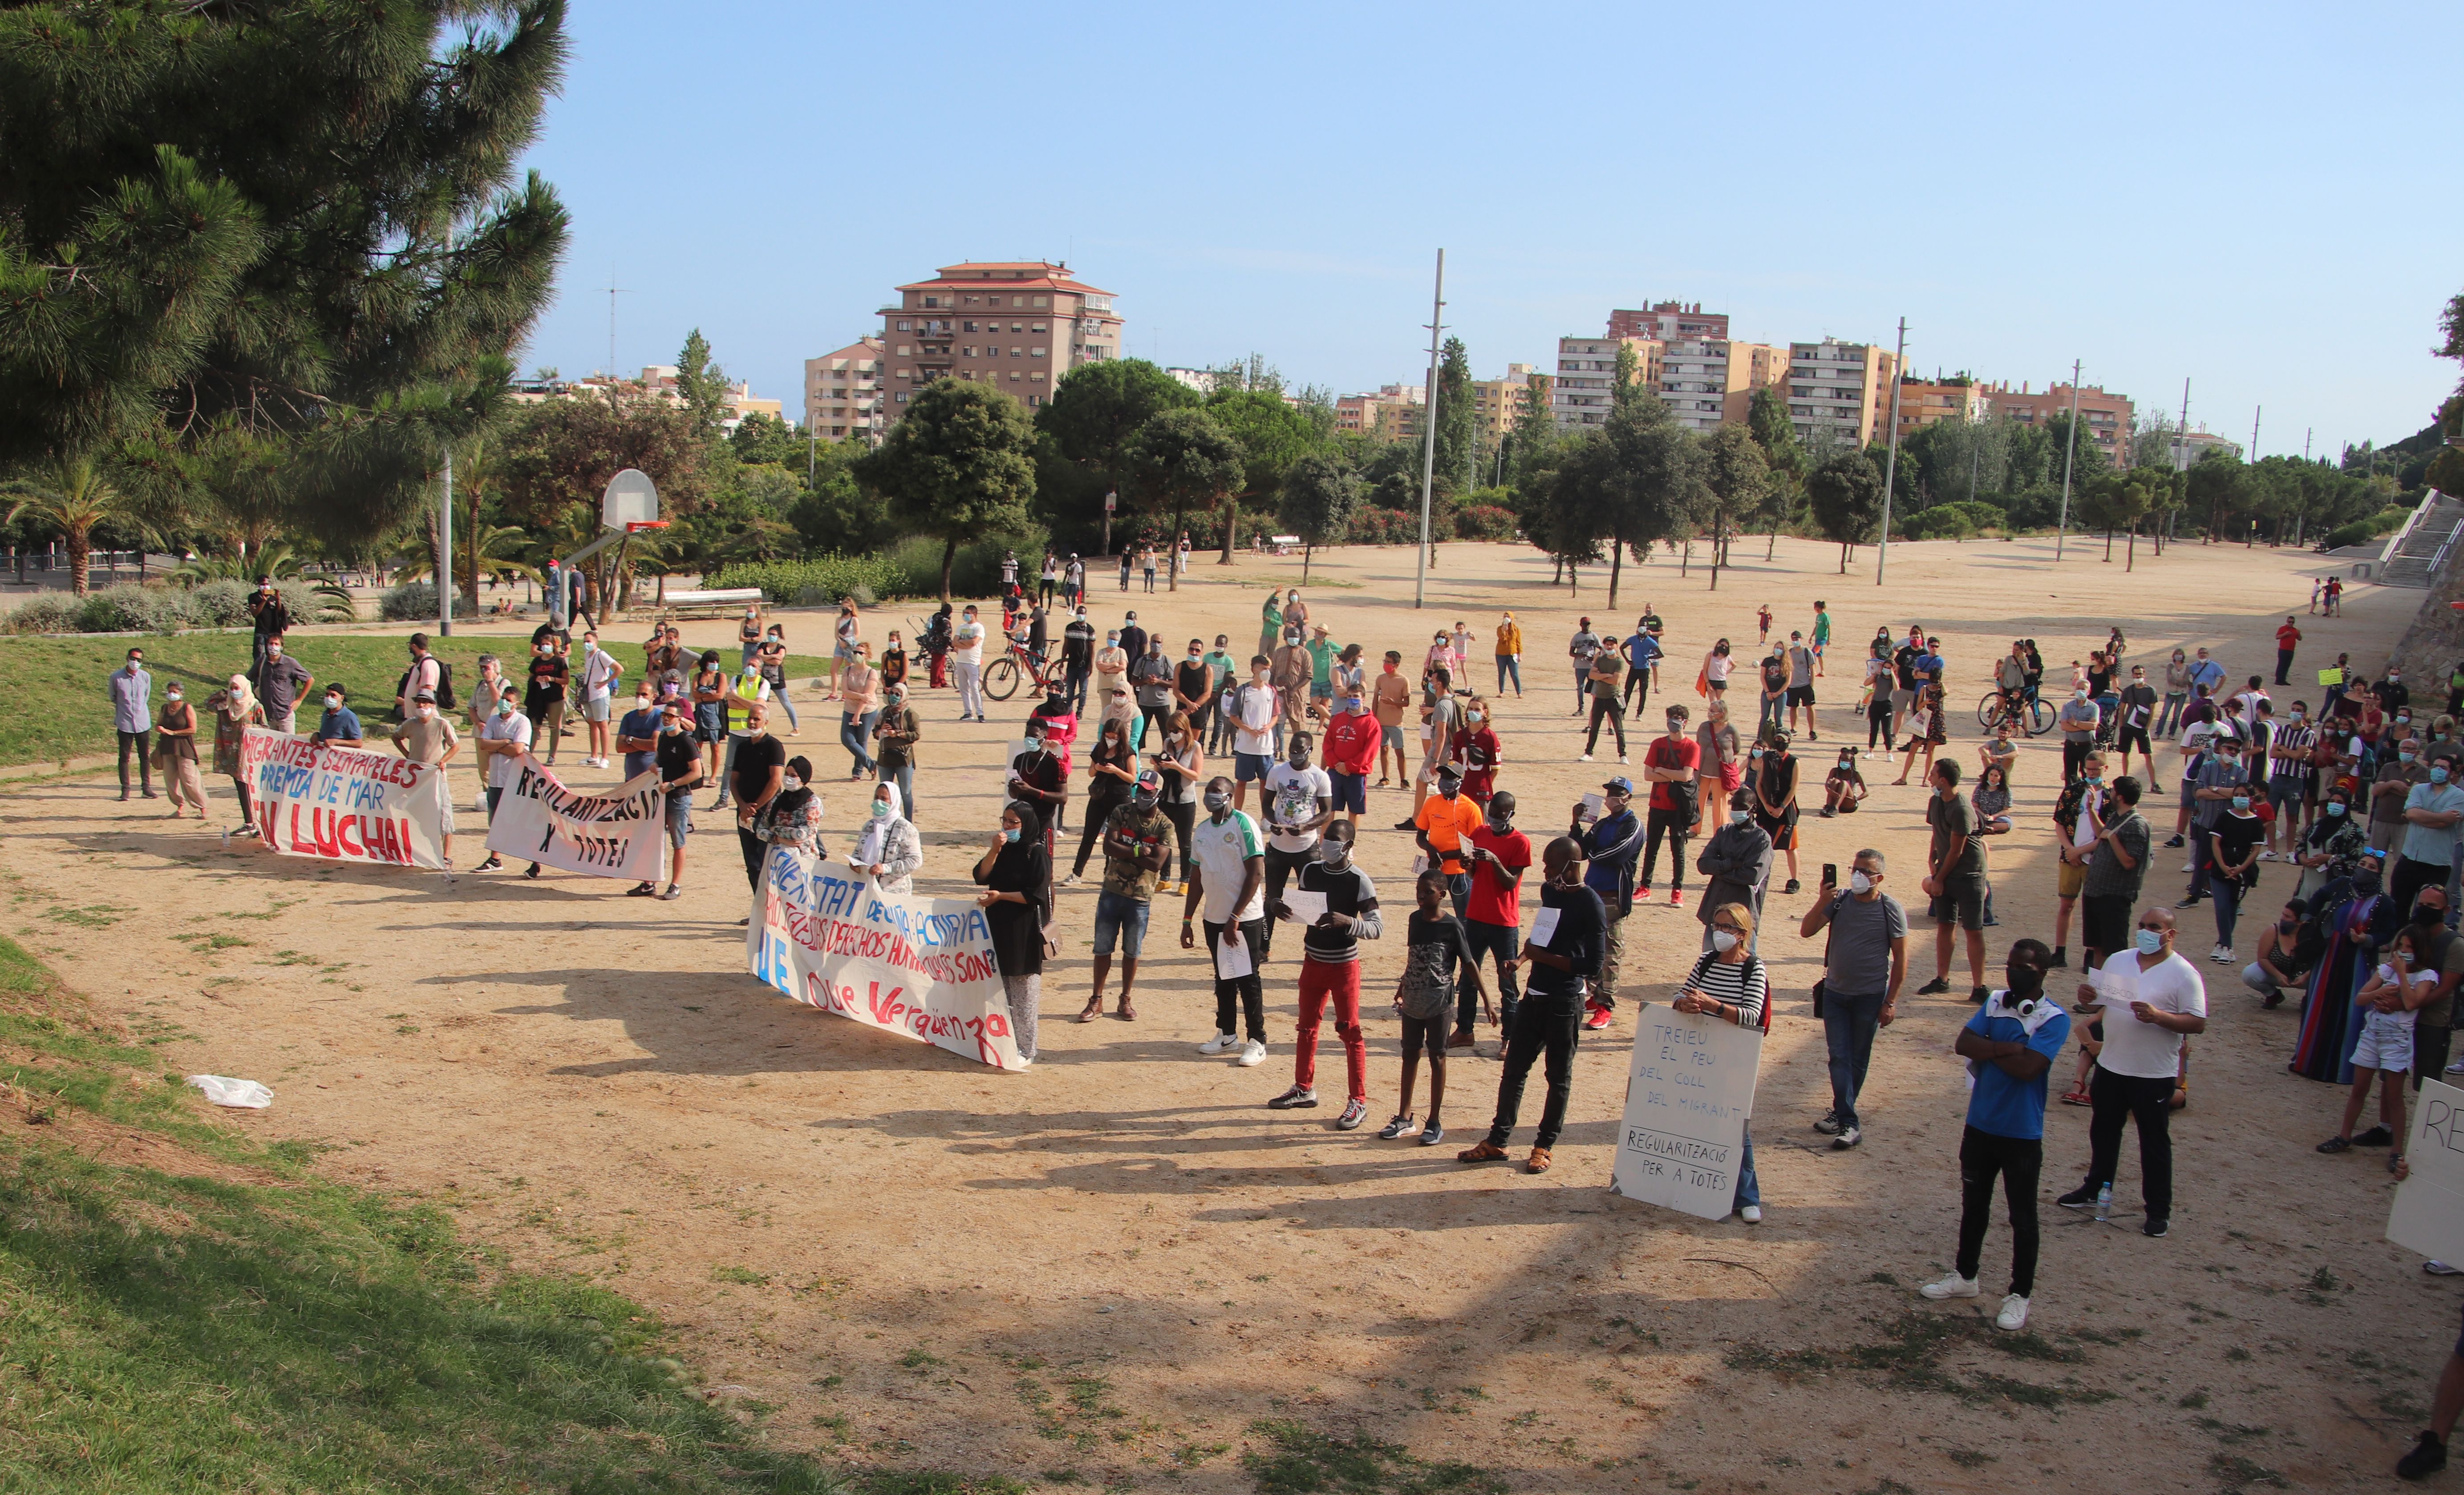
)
(2409, 565)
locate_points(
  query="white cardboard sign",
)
(2429, 1212)
(1689, 1088)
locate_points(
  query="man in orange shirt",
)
(1445, 819)
(2285, 638)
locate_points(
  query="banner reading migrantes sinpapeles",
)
(922, 967)
(343, 804)
(617, 834)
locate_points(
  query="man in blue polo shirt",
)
(1643, 654)
(2010, 1047)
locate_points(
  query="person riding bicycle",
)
(2010, 675)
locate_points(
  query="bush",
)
(1384, 527)
(820, 581)
(1980, 513)
(219, 604)
(2038, 508)
(409, 601)
(137, 609)
(1942, 522)
(1484, 521)
(45, 612)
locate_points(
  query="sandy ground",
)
(1115, 1264)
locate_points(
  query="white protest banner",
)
(2428, 1213)
(621, 833)
(922, 967)
(343, 804)
(1689, 1090)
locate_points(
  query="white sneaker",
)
(2014, 1314)
(1585, 759)
(1751, 1214)
(2458, 1068)
(1620, 758)
(1253, 1053)
(1953, 1286)
(1220, 1043)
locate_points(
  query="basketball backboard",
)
(631, 500)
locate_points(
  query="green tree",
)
(1456, 430)
(1655, 489)
(1272, 437)
(702, 386)
(1184, 458)
(2120, 500)
(1628, 386)
(1559, 504)
(1784, 458)
(1738, 481)
(70, 496)
(301, 216)
(959, 464)
(1092, 413)
(554, 460)
(2218, 484)
(1846, 495)
(1319, 493)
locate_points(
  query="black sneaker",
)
(2426, 1458)
(1792, 885)
(1934, 988)
(1829, 1125)
(2376, 1136)
(2155, 1228)
(2061, 956)
(2079, 1199)
(1395, 1128)
(2177, 841)
(1978, 994)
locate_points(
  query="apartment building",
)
(2188, 446)
(1670, 321)
(1584, 387)
(1498, 404)
(1840, 392)
(843, 392)
(1709, 382)
(1923, 403)
(1018, 325)
(1390, 414)
(2104, 417)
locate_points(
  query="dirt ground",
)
(1108, 1270)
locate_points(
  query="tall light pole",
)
(1429, 432)
(1891, 463)
(444, 555)
(2070, 448)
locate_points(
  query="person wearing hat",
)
(428, 737)
(1137, 847)
(1608, 846)
(1322, 654)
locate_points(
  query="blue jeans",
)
(1503, 943)
(1509, 665)
(1750, 1189)
(854, 732)
(1459, 885)
(904, 777)
(1849, 1021)
(2226, 896)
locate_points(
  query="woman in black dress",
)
(1016, 873)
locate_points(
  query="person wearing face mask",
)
(1150, 676)
(2080, 720)
(1389, 700)
(1736, 864)
(1582, 648)
(1078, 658)
(792, 817)
(677, 762)
(1193, 688)
(2280, 963)
(1492, 918)
(1672, 765)
(2177, 695)
(2220, 778)
(859, 711)
(1289, 674)
(2134, 710)
(175, 748)
(1477, 752)
(426, 738)
(1844, 787)
(1865, 963)
(1928, 722)
(1111, 666)
(1016, 873)
(1351, 751)
(1323, 655)
(601, 674)
(543, 695)
(501, 741)
(637, 733)
(1112, 770)
(235, 710)
(2207, 674)
(1298, 804)
(895, 732)
(2077, 819)
(2150, 999)
(1329, 976)
(2117, 869)
(967, 665)
(2291, 781)
(1437, 954)
(756, 775)
(2334, 847)
(1729, 984)
(1228, 883)
(1776, 808)
(1510, 660)
(2441, 955)
(269, 618)
(2010, 1047)
(1138, 848)
(2389, 1010)
(1036, 777)
(2234, 859)
(1608, 675)
(2392, 693)
(1956, 875)
(1643, 654)
(280, 683)
(1181, 769)
(2431, 812)
(131, 688)
(1255, 709)
(1549, 1018)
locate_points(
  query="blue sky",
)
(2256, 197)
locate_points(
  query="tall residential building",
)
(1670, 321)
(1924, 403)
(1015, 324)
(1584, 388)
(1390, 414)
(2104, 417)
(1497, 404)
(1709, 382)
(1839, 392)
(843, 392)
(2189, 447)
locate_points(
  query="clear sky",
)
(2259, 197)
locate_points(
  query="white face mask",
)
(790, 782)
(425, 712)
(1723, 941)
(1860, 883)
(333, 703)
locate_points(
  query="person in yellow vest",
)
(744, 688)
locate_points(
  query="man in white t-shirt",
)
(1255, 709)
(967, 665)
(600, 672)
(504, 737)
(1228, 878)
(1298, 801)
(2147, 1000)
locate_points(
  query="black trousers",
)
(2283, 664)
(1184, 820)
(1878, 720)
(2075, 757)
(1672, 823)
(1550, 1022)
(137, 740)
(1282, 866)
(2116, 1098)
(1605, 707)
(754, 851)
(1099, 809)
(1638, 688)
(1241, 995)
(2018, 1160)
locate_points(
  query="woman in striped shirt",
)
(1729, 985)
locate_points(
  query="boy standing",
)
(1437, 952)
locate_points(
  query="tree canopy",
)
(1319, 493)
(1846, 495)
(959, 464)
(1183, 460)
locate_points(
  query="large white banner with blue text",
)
(343, 804)
(824, 935)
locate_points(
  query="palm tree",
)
(72, 498)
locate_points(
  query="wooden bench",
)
(715, 603)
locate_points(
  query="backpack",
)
(444, 684)
(1753, 964)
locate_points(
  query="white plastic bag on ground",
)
(223, 1091)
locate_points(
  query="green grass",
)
(61, 709)
(1300, 1461)
(1910, 1353)
(240, 1324)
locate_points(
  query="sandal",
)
(1089, 1012)
(1483, 1152)
(1537, 1162)
(2336, 1145)
(1128, 1013)
(2074, 1098)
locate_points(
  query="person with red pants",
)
(1330, 972)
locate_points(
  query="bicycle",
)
(2028, 713)
(1002, 676)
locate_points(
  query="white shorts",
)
(2385, 1042)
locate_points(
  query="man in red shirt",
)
(2285, 638)
(1493, 913)
(1352, 739)
(1670, 765)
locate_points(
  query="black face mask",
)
(2424, 915)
